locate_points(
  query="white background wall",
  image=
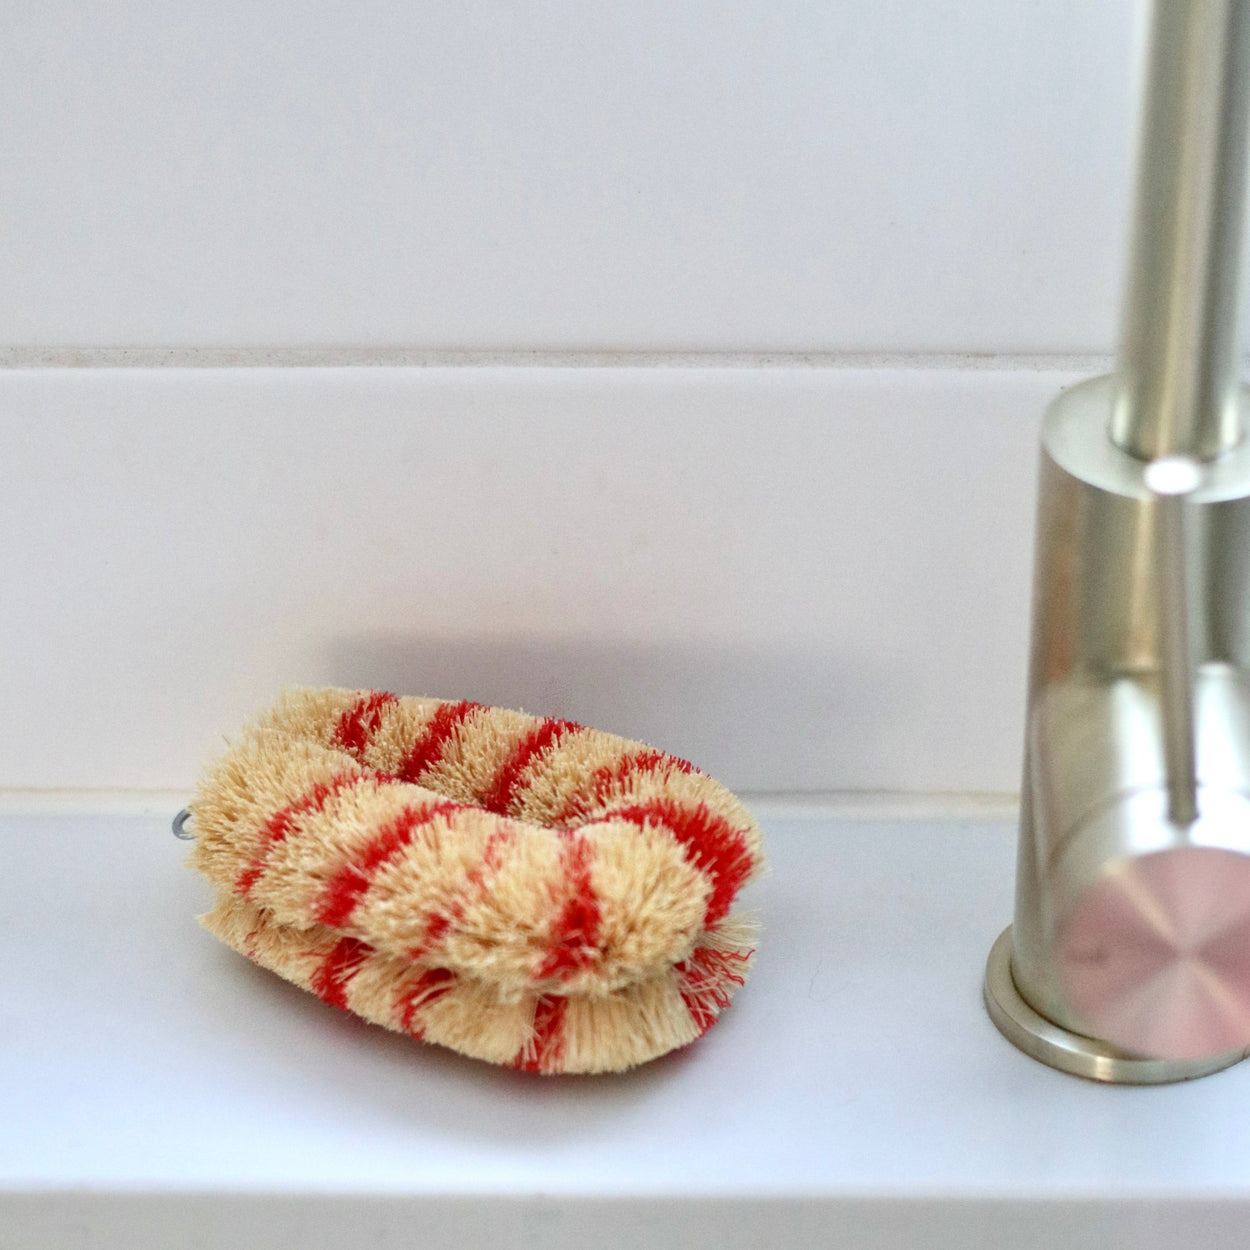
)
(866, 175)
(743, 316)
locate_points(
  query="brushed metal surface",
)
(1074, 1053)
(1172, 480)
(1132, 921)
(1154, 953)
(1097, 779)
(1178, 365)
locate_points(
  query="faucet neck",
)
(1178, 366)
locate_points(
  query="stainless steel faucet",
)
(1129, 958)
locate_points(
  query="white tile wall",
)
(802, 579)
(866, 175)
(806, 579)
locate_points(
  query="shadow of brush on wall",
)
(755, 719)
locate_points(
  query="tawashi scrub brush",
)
(525, 891)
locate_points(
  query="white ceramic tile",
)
(802, 579)
(871, 175)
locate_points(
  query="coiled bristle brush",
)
(523, 890)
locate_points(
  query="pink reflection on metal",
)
(1156, 955)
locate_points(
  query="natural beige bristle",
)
(522, 890)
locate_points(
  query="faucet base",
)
(1071, 1052)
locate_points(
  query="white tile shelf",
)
(160, 1091)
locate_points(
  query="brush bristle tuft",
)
(522, 890)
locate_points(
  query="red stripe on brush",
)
(712, 845)
(610, 777)
(544, 1052)
(427, 989)
(574, 939)
(433, 738)
(474, 887)
(345, 889)
(360, 722)
(329, 982)
(282, 822)
(434, 931)
(507, 780)
(702, 1015)
(705, 976)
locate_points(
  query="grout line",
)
(883, 805)
(765, 805)
(23, 802)
(412, 357)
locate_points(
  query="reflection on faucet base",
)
(1130, 950)
(1073, 1053)
(1132, 921)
